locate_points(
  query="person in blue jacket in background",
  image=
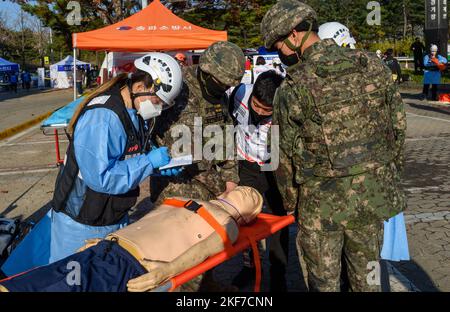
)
(108, 157)
(434, 64)
(13, 81)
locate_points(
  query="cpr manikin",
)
(171, 239)
(188, 239)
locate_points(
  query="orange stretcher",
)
(264, 226)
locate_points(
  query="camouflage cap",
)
(282, 18)
(225, 61)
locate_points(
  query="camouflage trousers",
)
(322, 252)
(162, 188)
(341, 223)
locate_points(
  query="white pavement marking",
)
(434, 118)
(427, 217)
(427, 139)
(35, 142)
(425, 188)
(26, 171)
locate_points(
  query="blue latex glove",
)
(159, 157)
(171, 172)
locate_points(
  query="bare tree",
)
(42, 39)
(405, 19)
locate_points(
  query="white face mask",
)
(148, 110)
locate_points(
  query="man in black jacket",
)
(417, 47)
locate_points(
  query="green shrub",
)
(401, 47)
(419, 78)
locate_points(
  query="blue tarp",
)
(33, 251)
(63, 115)
(53, 238)
(395, 242)
(6, 66)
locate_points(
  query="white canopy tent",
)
(61, 73)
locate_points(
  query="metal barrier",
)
(405, 59)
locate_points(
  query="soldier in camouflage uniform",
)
(342, 130)
(220, 67)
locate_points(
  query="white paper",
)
(178, 162)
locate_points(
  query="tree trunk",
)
(23, 38)
(118, 6)
(405, 19)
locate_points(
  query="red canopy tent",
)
(154, 28)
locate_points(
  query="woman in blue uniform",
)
(434, 64)
(107, 158)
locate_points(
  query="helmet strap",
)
(132, 97)
(298, 49)
(203, 82)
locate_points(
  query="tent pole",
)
(107, 67)
(74, 74)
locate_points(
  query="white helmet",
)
(166, 75)
(434, 48)
(340, 33)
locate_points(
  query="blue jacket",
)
(431, 74)
(13, 79)
(99, 141)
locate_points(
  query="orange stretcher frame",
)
(264, 226)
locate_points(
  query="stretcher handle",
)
(257, 262)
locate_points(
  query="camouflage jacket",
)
(189, 105)
(340, 115)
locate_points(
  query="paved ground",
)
(427, 183)
(28, 171)
(16, 109)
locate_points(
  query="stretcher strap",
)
(202, 212)
(257, 262)
(216, 226)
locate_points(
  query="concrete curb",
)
(437, 106)
(23, 126)
(440, 105)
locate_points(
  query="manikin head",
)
(243, 204)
